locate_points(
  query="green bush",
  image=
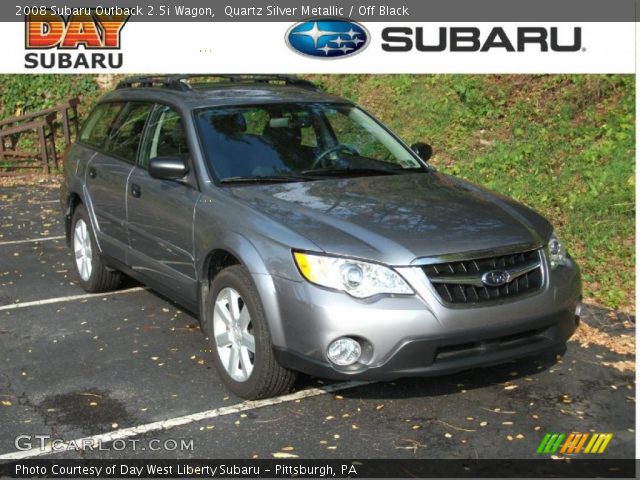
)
(29, 93)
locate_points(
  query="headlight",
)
(557, 252)
(359, 279)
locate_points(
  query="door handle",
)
(135, 190)
(92, 172)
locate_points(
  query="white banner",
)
(252, 47)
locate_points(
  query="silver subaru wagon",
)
(306, 236)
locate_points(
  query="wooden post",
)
(73, 104)
(50, 122)
(65, 126)
(43, 148)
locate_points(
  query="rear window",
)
(98, 125)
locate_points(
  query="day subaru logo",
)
(327, 38)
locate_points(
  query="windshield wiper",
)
(265, 179)
(328, 172)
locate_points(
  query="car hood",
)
(396, 219)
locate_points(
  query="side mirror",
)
(423, 150)
(167, 168)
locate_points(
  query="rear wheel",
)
(94, 275)
(237, 329)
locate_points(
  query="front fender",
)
(247, 254)
(234, 243)
(263, 246)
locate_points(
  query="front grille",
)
(461, 281)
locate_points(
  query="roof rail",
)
(182, 82)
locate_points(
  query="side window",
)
(165, 136)
(98, 125)
(124, 140)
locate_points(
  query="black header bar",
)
(363, 10)
(299, 468)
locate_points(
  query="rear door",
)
(161, 212)
(116, 136)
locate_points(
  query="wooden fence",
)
(43, 124)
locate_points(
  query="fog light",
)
(344, 351)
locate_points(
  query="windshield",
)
(295, 142)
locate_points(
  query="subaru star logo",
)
(327, 38)
(495, 278)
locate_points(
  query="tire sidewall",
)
(238, 278)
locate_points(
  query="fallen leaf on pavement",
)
(284, 455)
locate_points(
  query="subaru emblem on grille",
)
(495, 278)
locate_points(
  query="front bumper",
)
(430, 356)
(416, 335)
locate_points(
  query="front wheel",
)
(237, 329)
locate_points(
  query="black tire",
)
(268, 378)
(101, 278)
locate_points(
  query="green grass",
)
(562, 144)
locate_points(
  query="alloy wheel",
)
(233, 332)
(82, 249)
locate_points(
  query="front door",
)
(161, 212)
